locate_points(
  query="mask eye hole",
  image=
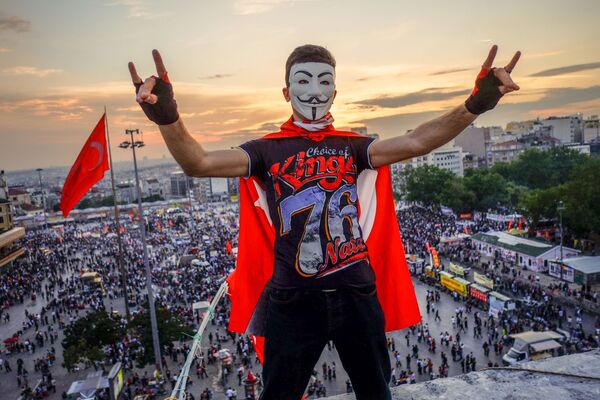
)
(326, 83)
(303, 81)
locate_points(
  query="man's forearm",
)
(197, 162)
(439, 131)
(425, 138)
(183, 147)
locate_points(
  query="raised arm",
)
(491, 84)
(155, 96)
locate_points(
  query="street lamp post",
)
(561, 208)
(142, 224)
(39, 171)
(189, 190)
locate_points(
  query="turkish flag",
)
(87, 170)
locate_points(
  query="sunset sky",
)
(399, 64)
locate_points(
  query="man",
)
(322, 287)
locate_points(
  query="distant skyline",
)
(398, 64)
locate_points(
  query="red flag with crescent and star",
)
(88, 169)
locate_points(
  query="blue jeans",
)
(300, 323)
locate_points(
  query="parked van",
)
(532, 345)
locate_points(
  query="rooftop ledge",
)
(575, 376)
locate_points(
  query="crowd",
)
(49, 284)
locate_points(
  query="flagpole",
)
(122, 268)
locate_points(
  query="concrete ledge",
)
(571, 377)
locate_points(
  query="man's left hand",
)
(491, 84)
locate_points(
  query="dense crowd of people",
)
(190, 258)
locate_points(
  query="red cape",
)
(377, 218)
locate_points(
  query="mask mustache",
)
(313, 100)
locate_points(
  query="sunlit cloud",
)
(5, 50)
(15, 24)
(63, 109)
(430, 94)
(28, 70)
(567, 69)
(544, 54)
(249, 7)
(450, 71)
(137, 9)
(216, 76)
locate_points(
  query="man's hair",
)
(307, 53)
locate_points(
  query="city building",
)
(126, 192)
(520, 127)
(181, 184)
(591, 130)
(152, 187)
(581, 270)
(532, 254)
(473, 140)
(10, 247)
(450, 159)
(504, 151)
(18, 195)
(472, 161)
(5, 215)
(567, 129)
(509, 150)
(396, 175)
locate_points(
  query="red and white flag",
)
(88, 169)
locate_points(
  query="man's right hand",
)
(155, 94)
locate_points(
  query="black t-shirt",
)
(311, 192)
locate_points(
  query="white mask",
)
(312, 86)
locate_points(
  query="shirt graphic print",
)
(313, 202)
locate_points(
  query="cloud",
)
(567, 69)
(216, 76)
(27, 70)
(552, 101)
(15, 24)
(136, 8)
(63, 109)
(450, 71)
(544, 54)
(250, 7)
(5, 50)
(430, 94)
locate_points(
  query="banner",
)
(436, 259)
(483, 280)
(457, 269)
(478, 294)
(453, 285)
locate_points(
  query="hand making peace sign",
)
(155, 94)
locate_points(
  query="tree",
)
(542, 203)
(460, 199)
(582, 199)
(540, 169)
(171, 327)
(427, 184)
(490, 188)
(85, 337)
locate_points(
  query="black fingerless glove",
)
(486, 93)
(164, 112)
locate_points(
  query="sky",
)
(399, 64)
